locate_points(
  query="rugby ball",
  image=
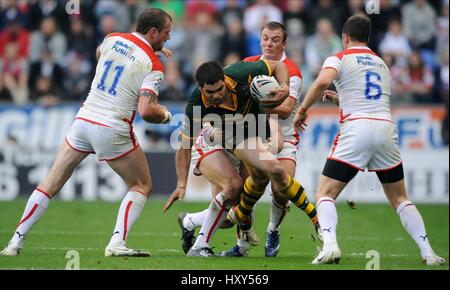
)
(261, 86)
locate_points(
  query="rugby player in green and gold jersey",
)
(231, 129)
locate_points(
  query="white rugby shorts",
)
(367, 143)
(108, 143)
(201, 149)
(289, 151)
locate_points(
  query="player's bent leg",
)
(334, 178)
(188, 222)
(219, 170)
(65, 162)
(278, 211)
(327, 192)
(395, 190)
(256, 158)
(133, 168)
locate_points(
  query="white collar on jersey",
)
(283, 57)
(138, 35)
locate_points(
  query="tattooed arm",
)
(150, 110)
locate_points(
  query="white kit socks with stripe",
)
(215, 216)
(35, 208)
(129, 211)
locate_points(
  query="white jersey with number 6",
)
(368, 136)
(363, 83)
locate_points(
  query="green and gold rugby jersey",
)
(242, 120)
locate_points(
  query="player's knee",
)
(233, 188)
(145, 189)
(276, 170)
(279, 198)
(260, 181)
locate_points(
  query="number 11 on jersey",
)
(118, 69)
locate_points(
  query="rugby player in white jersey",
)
(127, 79)
(367, 139)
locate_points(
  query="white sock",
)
(130, 209)
(216, 214)
(328, 219)
(413, 223)
(277, 214)
(194, 220)
(35, 208)
(242, 242)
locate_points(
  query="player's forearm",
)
(284, 110)
(182, 164)
(313, 95)
(150, 110)
(157, 114)
(281, 73)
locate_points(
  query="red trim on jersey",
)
(35, 206)
(297, 135)
(199, 150)
(369, 118)
(121, 155)
(130, 122)
(341, 54)
(93, 122)
(387, 169)
(291, 66)
(78, 150)
(291, 96)
(335, 142)
(290, 142)
(125, 221)
(346, 163)
(157, 65)
(43, 192)
(342, 116)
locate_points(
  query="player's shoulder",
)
(292, 68)
(354, 51)
(147, 55)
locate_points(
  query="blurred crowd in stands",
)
(48, 56)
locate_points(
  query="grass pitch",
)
(87, 226)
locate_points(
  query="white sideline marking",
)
(93, 233)
(86, 249)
